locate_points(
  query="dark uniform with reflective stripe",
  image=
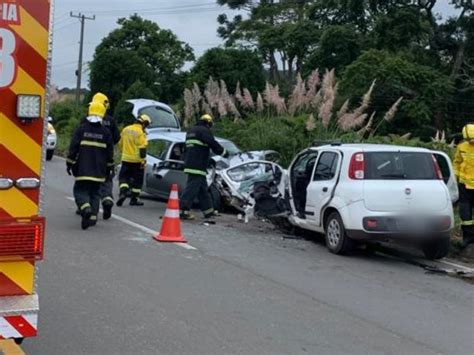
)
(91, 159)
(106, 188)
(199, 143)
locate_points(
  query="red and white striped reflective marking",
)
(172, 213)
(24, 326)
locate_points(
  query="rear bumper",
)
(18, 316)
(408, 237)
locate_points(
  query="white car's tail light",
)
(357, 167)
(439, 174)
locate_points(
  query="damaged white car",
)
(355, 193)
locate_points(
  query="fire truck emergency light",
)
(28, 106)
(27, 183)
(5, 184)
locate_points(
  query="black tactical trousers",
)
(87, 195)
(106, 192)
(196, 187)
(466, 205)
(131, 178)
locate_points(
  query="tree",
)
(138, 90)
(425, 90)
(338, 47)
(277, 29)
(232, 66)
(114, 71)
(156, 57)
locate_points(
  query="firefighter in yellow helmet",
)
(464, 170)
(91, 161)
(106, 189)
(133, 144)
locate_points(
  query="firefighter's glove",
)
(143, 165)
(69, 168)
(111, 172)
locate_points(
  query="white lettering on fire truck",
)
(9, 13)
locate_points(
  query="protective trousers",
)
(131, 179)
(87, 195)
(106, 192)
(466, 205)
(196, 187)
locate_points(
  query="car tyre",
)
(336, 237)
(436, 249)
(49, 154)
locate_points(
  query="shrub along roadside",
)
(289, 135)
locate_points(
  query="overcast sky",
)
(193, 21)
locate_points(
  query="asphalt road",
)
(244, 290)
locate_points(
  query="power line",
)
(154, 9)
(63, 27)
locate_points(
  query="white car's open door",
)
(446, 166)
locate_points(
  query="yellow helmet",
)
(97, 109)
(102, 98)
(144, 119)
(208, 118)
(468, 132)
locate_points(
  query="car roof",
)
(373, 148)
(174, 136)
(138, 104)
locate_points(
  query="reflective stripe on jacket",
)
(199, 143)
(133, 139)
(91, 152)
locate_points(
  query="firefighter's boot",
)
(187, 216)
(107, 207)
(122, 198)
(136, 202)
(93, 221)
(86, 218)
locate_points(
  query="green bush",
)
(66, 117)
(288, 136)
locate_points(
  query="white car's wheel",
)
(337, 240)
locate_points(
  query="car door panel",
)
(323, 182)
(299, 177)
(446, 166)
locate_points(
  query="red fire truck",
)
(25, 43)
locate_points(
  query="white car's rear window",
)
(399, 166)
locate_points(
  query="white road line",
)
(143, 228)
(464, 268)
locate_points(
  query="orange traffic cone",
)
(171, 226)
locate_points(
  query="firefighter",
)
(464, 170)
(199, 143)
(91, 161)
(133, 144)
(106, 189)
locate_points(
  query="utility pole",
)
(82, 18)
